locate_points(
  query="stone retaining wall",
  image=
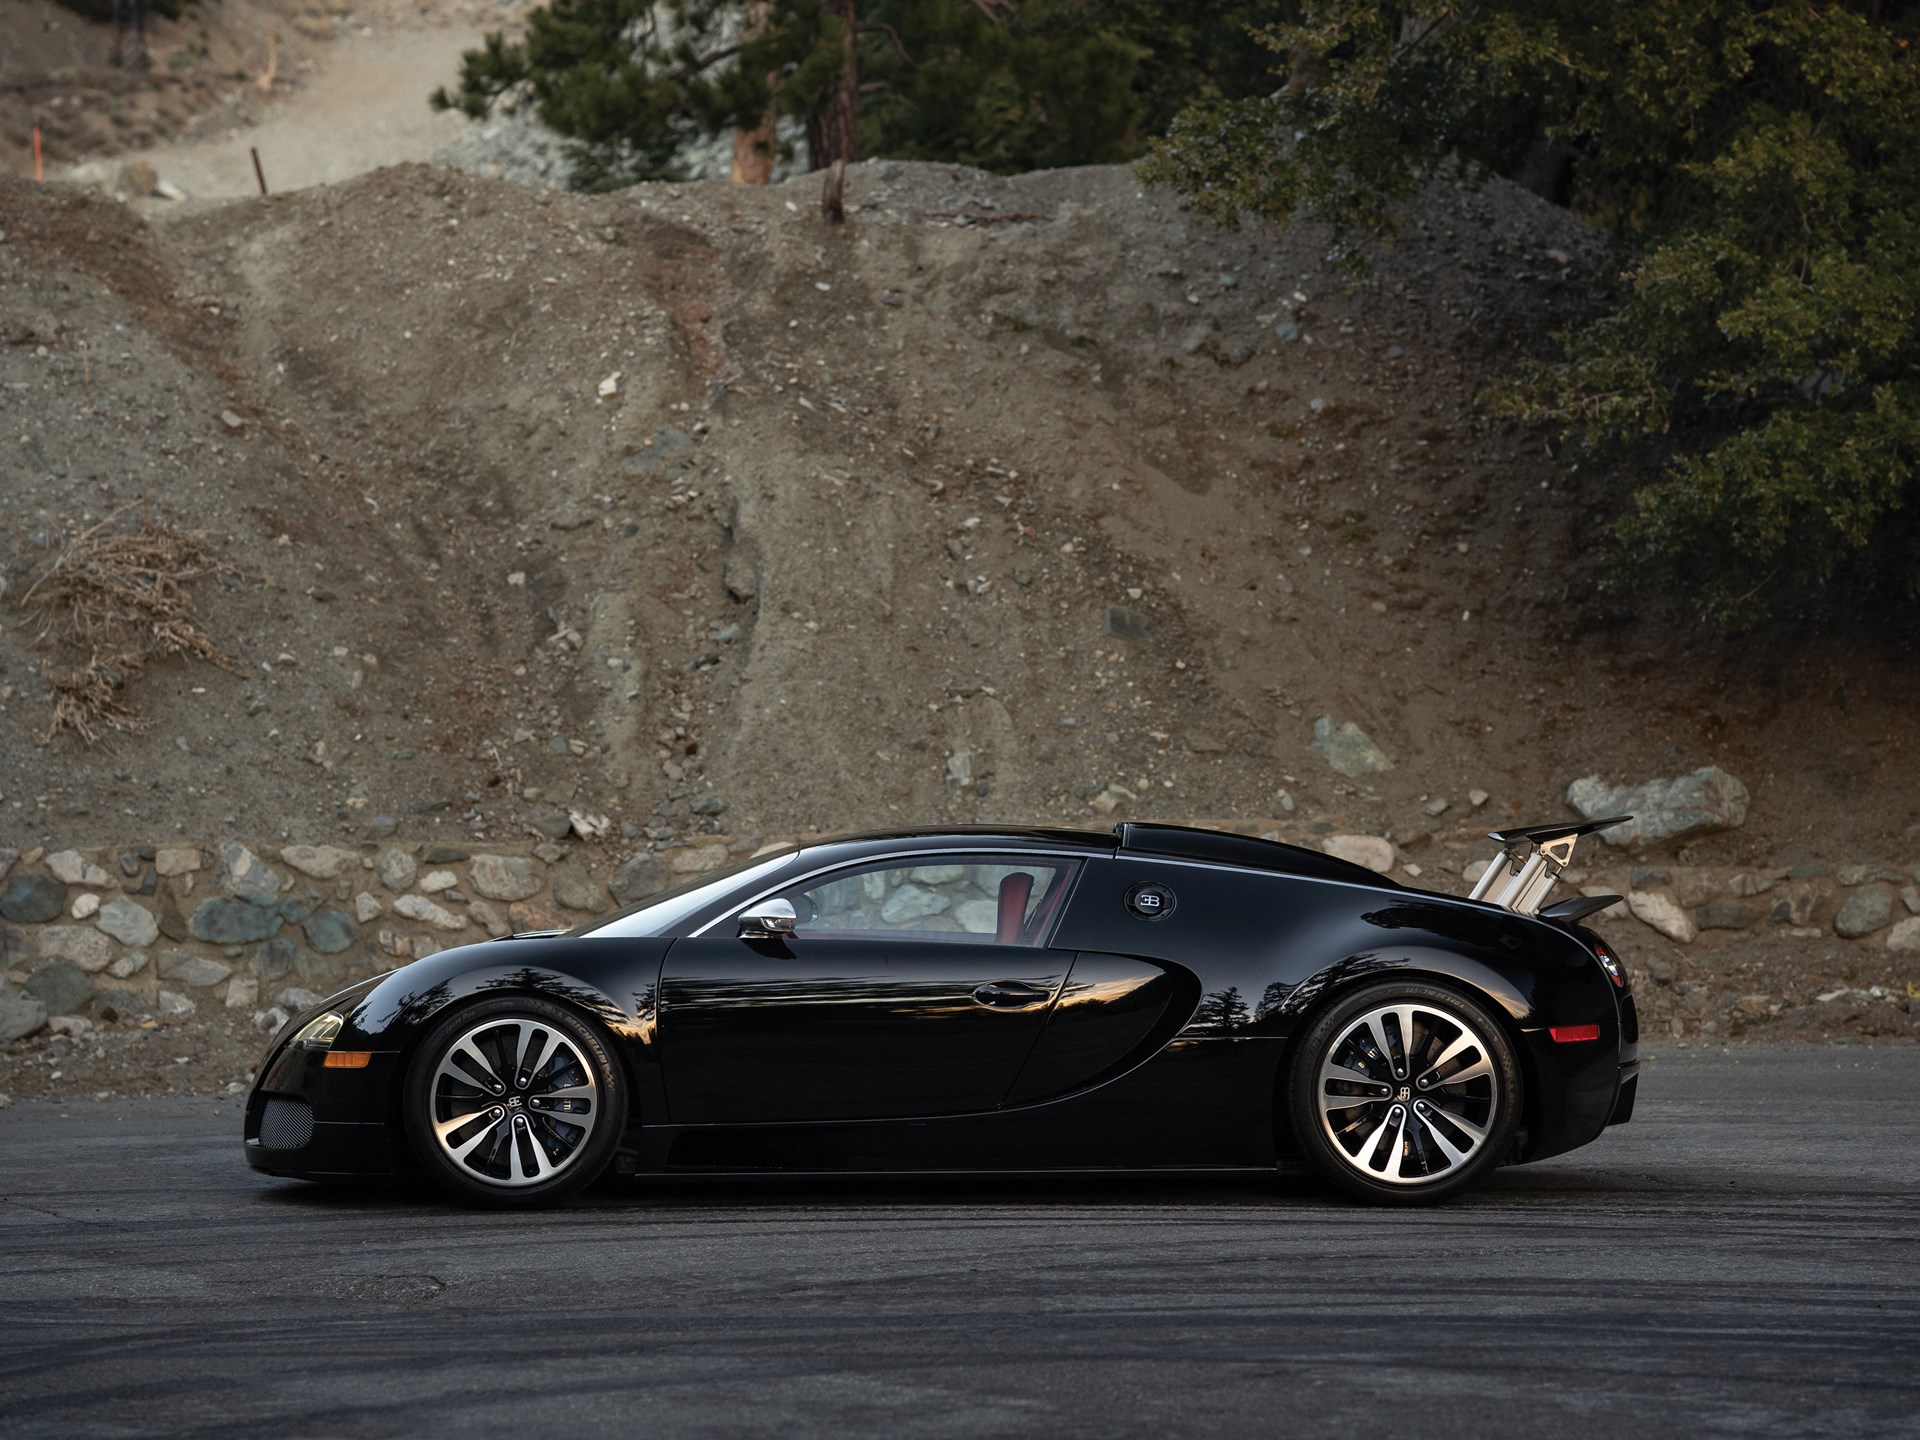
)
(114, 934)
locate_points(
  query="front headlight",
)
(318, 1033)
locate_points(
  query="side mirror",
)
(768, 920)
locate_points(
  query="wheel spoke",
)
(1477, 1133)
(1454, 1157)
(469, 1145)
(1479, 1069)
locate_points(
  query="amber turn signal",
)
(349, 1059)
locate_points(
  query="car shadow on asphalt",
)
(1515, 1188)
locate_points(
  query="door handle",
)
(1011, 995)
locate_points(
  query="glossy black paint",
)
(1125, 1041)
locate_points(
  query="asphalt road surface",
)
(1744, 1258)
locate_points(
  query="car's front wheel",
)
(513, 1103)
(1404, 1093)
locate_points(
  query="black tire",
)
(1415, 1134)
(560, 1107)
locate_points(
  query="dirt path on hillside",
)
(366, 108)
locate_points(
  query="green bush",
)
(1758, 165)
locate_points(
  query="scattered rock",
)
(1707, 800)
(1861, 874)
(555, 824)
(574, 889)
(114, 1006)
(434, 881)
(1867, 909)
(1905, 937)
(697, 859)
(1347, 748)
(1663, 913)
(912, 902)
(194, 970)
(1477, 798)
(7, 854)
(445, 855)
(330, 932)
(366, 907)
(705, 805)
(1910, 897)
(221, 921)
(320, 862)
(1796, 907)
(504, 877)
(61, 986)
(243, 992)
(85, 947)
(20, 1015)
(179, 860)
(175, 1006)
(73, 868)
(1436, 807)
(1111, 799)
(397, 870)
(272, 1020)
(296, 908)
(642, 875)
(297, 998)
(69, 1024)
(245, 875)
(125, 967)
(487, 918)
(419, 907)
(1750, 884)
(274, 959)
(1727, 915)
(128, 921)
(33, 900)
(1372, 851)
(85, 906)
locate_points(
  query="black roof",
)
(1184, 842)
(1226, 848)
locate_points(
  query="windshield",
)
(658, 914)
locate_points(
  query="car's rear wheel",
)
(1404, 1093)
(513, 1103)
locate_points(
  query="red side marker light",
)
(1572, 1034)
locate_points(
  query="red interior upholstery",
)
(1015, 890)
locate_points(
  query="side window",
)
(1011, 901)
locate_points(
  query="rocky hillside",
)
(1007, 499)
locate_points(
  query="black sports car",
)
(1159, 998)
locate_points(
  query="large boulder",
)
(20, 1015)
(1867, 909)
(33, 899)
(245, 875)
(1347, 748)
(128, 921)
(61, 986)
(221, 921)
(504, 877)
(318, 862)
(1707, 800)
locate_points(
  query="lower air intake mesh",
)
(285, 1124)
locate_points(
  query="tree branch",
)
(893, 35)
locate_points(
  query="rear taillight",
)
(1616, 972)
(1573, 1034)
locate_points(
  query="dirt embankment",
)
(1003, 497)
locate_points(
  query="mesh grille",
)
(285, 1124)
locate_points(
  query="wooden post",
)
(258, 173)
(833, 193)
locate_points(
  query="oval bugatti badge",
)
(1150, 901)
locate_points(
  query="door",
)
(909, 988)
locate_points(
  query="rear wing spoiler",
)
(1531, 858)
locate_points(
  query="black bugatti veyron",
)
(1158, 998)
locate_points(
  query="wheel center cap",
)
(1405, 1093)
(513, 1102)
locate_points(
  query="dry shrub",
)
(121, 594)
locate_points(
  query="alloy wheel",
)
(1408, 1093)
(513, 1102)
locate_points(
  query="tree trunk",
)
(833, 128)
(753, 147)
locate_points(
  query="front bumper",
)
(311, 1123)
